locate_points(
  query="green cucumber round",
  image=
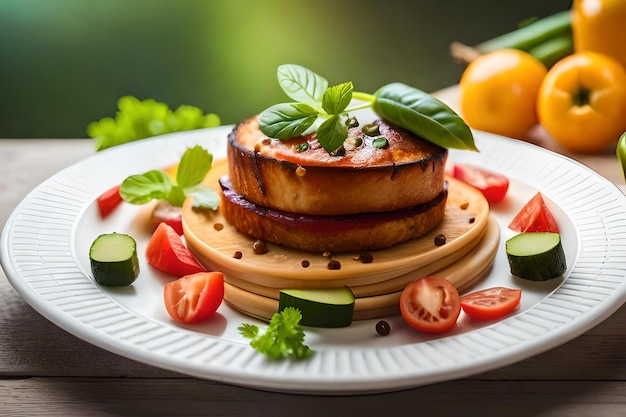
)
(536, 256)
(114, 261)
(320, 307)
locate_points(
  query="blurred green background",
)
(65, 63)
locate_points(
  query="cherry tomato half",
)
(430, 304)
(491, 303)
(534, 217)
(493, 186)
(108, 201)
(194, 297)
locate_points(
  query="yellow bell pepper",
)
(582, 102)
(599, 26)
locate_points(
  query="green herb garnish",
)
(137, 119)
(283, 338)
(325, 110)
(157, 185)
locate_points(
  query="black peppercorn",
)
(383, 328)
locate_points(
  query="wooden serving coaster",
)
(214, 242)
(462, 273)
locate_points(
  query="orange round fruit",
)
(499, 92)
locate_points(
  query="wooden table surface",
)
(47, 371)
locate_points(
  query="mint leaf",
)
(143, 188)
(193, 167)
(205, 198)
(337, 98)
(301, 84)
(283, 338)
(157, 185)
(176, 197)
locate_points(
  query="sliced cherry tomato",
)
(194, 297)
(430, 304)
(167, 252)
(491, 303)
(493, 186)
(164, 212)
(534, 217)
(108, 201)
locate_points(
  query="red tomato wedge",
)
(534, 217)
(108, 201)
(493, 186)
(491, 303)
(430, 304)
(167, 252)
(194, 298)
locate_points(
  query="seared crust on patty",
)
(276, 174)
(353, 232)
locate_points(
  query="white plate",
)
(45, 256)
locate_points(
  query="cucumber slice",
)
(320, 307)
(537, 256)
(114, 260)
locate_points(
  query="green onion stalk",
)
(548, 39)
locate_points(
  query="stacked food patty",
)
(372, 216)
(384, 186)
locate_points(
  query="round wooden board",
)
(462, 274)
(464, 223)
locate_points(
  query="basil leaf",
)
(301, 84)
(332, 132)
(424, 115)
(337, 98)
(193, 166)
(287, 120)
(143, 188)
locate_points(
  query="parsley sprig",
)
(326, 111)
(283, 338)
(157, 185)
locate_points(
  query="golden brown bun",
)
(274, 174)
(354, 232)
